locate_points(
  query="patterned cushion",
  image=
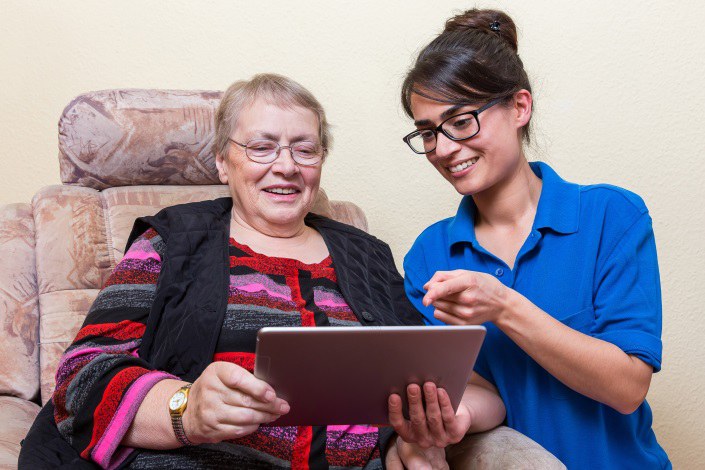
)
(138, 137)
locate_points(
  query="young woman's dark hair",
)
(474, 60)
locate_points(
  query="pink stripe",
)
(352, 429)
(258, 288)
(103, 452)
(330, 303)
(141, 255)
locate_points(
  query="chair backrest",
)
(123, 154)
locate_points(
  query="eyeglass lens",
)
(267, 151)
(459, 127)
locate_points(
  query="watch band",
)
(177, 421)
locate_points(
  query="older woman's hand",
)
(402, 454)
(435, 426)
(467, 297)
(228, 402)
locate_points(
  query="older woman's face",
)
(255, 187)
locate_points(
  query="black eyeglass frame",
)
(407, 138)
(278, 152)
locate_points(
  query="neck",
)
(288, 231)
(512, 201)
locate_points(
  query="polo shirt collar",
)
(558, 209)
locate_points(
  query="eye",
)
(306, 149)
(462, 123)
(427, 135)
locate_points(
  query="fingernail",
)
(284, 408)
(270, 395)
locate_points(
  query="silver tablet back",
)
(344, 375)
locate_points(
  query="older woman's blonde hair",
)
(275, 89)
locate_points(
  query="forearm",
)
(151, 427)
(590, 366)
(485, 406)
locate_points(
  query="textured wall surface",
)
(618, 90)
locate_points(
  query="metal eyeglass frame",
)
(407, 138)
(277, 152)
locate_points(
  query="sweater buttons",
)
(368, 316)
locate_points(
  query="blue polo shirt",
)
(590, 262)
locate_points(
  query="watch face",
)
(177, 400)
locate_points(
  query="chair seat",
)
(16, 416)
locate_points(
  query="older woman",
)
(160, 374)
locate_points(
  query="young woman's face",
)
(485, 160)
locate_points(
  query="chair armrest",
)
(501, 448)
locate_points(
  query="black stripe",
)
(317, 457)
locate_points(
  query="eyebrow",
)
(298, 138)
(447, 113)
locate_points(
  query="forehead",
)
(263, 115)
(429, 110)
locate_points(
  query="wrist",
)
(178, 405)
(513, 302)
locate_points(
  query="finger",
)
(237, 416)
(463, 311)
(448, 287)
(417, 415)
(237, 378)
(396, 418)
(413, 457)
(433, 414)
(439, 276)
(447, 411)
(448, 318)
(393, 461)
(237, 398)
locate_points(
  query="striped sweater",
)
(101, 380)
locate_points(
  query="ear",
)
(222, 168)
(522, 107)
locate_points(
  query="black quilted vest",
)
(191, 298)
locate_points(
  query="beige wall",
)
(618, 87)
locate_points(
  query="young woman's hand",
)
(435, 426)
(228, 402)
(403, 455)
(467, 297)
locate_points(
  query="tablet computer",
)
(344, 375)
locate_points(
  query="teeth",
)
(462, 166)
(281, 190)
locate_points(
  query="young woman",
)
(564, 276)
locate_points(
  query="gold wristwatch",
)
(177, 406)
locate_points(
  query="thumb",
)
(392, 461)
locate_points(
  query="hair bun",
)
(488, 21)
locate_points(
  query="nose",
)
(285, 164)
(444, 146)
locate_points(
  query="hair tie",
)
(494, 26)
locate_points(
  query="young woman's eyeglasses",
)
(459, 127)
(266, 151)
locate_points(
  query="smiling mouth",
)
(463, 165)
(282, 190)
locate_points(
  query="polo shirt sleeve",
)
(627, 298)
(415, 276)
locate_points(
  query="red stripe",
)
(245, 360)
(302, 448)
(112, 395)
(59, 396)
(123, 330)
(307, 317)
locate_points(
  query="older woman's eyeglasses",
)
(462, 126)
(266, 151)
